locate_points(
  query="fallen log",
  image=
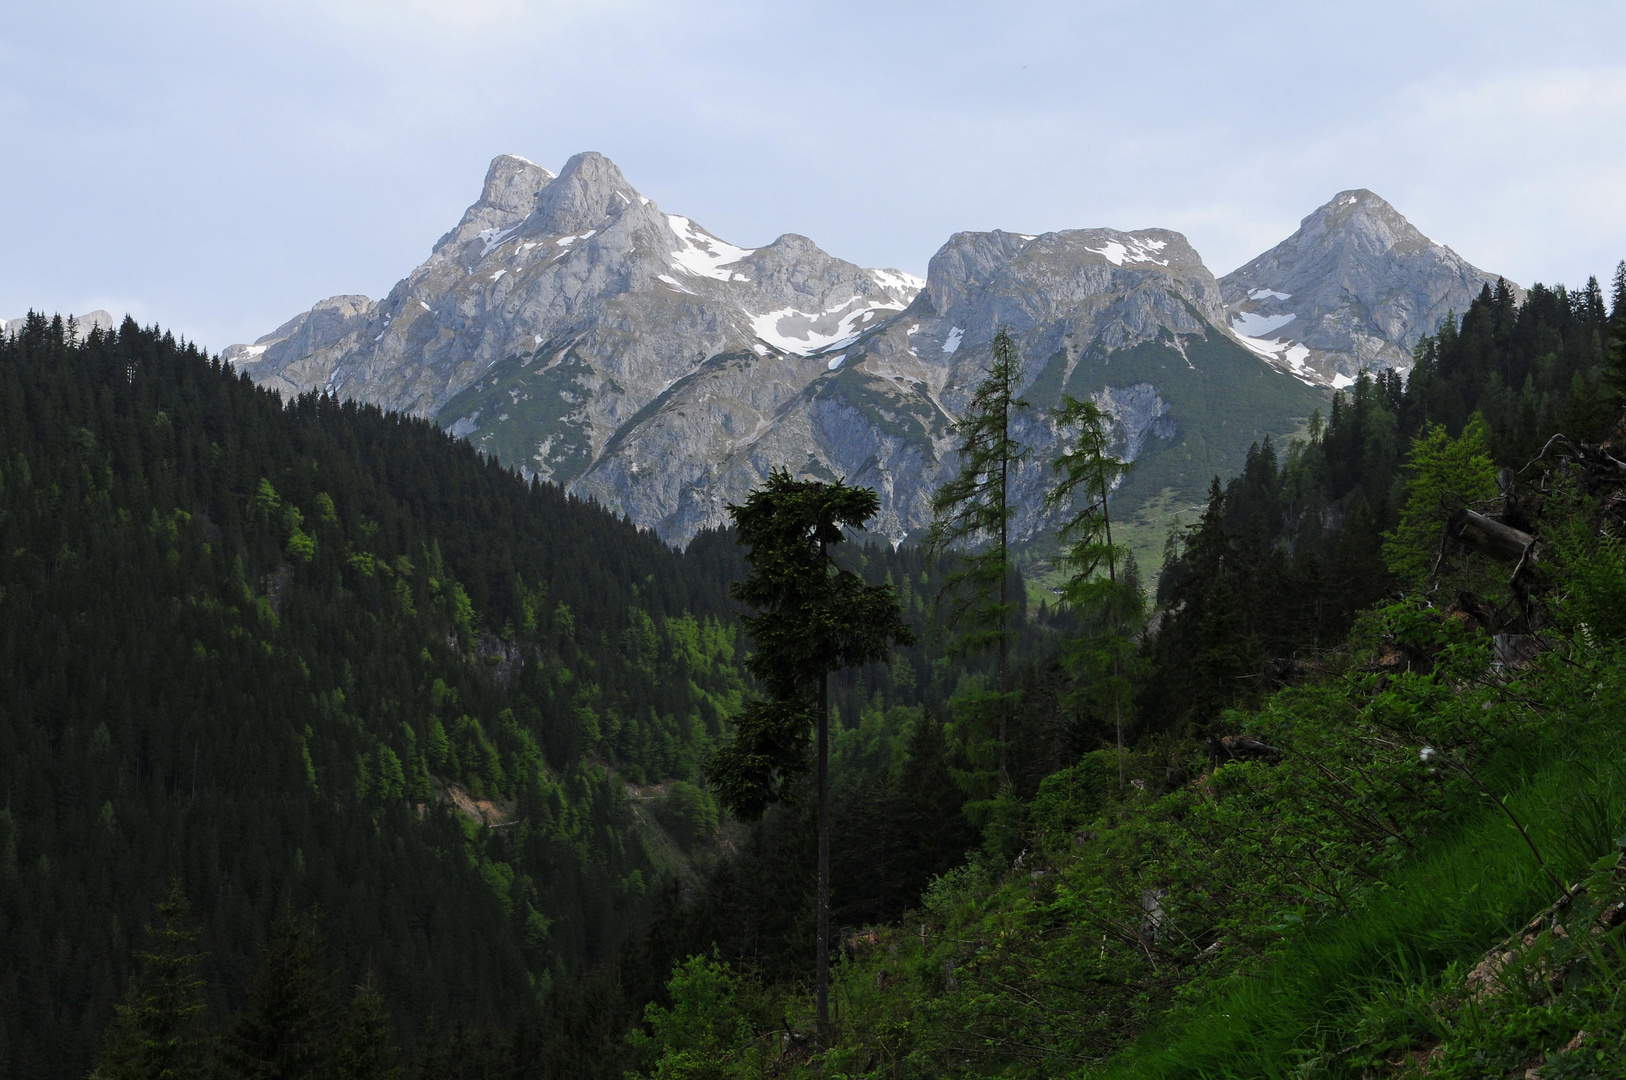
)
(1489, 537)
(1240, 748)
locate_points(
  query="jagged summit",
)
(83, 324)
(562, 307)
(1363, 210)
(1353, 288)
(992, 279)
(1130, 320)
(574, 329)
(588, 190)
(512, 184)
(507, 198)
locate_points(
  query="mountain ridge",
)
(573, 329)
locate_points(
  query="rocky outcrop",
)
(1138, 414)
(1354, 288)
(1093, 311)
(82, 324)
(570, 327)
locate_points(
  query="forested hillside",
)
(318, 664)
(1362, 753)
(302, 657)
(322, 731)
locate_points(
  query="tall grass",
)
(1314, 1005)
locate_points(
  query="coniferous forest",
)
(331, 748)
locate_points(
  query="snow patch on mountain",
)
(494, 238)
(1136, 250)
(899, 285)
(1252, 324)
(701, 253)
(800, 333)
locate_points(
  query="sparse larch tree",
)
(972, 514)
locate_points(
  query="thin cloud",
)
(224, 165)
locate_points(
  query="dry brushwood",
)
(1240, 748)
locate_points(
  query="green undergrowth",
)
(1354, 996)
(1318, 910)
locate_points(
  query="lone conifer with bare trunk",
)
(810, 619)
(972, 513)
(1109, 608)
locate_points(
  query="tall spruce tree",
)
(288, 1031)
(1614, 364)
(1109, 607)
(366, 1048)
(972, 513)
(157, 1034)
(810, 618)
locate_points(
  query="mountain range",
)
(82, 324)
(572, 329)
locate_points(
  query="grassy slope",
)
(1350, 990)
(524, 403)
(1222, 399)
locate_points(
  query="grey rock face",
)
(1354, 288)
(1138, 414)
(299, 355)
(878, 409)
(507, 198)
(571, 328)
(83, 324)
(561, 309)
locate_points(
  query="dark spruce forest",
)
(332, 748)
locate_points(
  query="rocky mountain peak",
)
(507, 198)
(1088, 285)
(569, 327)
(794, 270)
(588, 190)
(790, 246)
(1362, 220)
(1354, 288)
(563, 308)
(967, 261)
(512, 184)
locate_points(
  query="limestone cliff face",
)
(82, 324)
(570, 327)
(878, 409)
(1354, 288)
(562, 307)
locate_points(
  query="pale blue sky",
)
(217, 166)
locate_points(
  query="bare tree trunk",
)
(1117, 674)
(821, 969)
(1004, 577)
(1004, 704)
